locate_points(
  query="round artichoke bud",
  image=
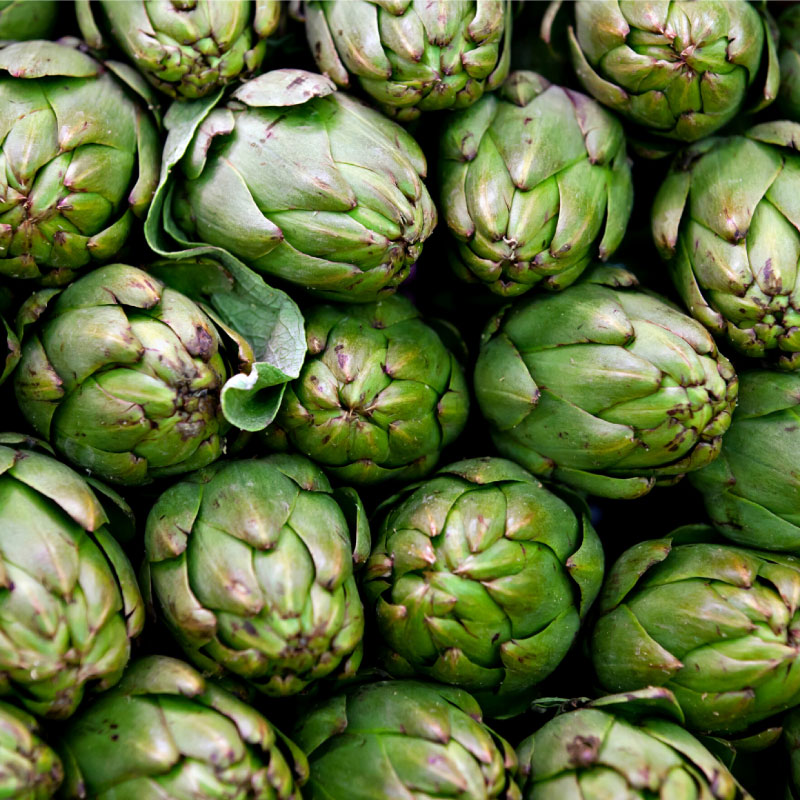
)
(81, 159)
(69, 601)
(252, 566)
(185, 48)
(535, 184)
(716, 624)
(789, 94)
(21, 20)
(331, 198)
(733, 244)
(404, 739)
(604, 387)
(378, 397)
(480, 578)
(123, 375)
(166, 732)
(632, 746)
(412, 57)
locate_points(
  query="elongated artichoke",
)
(80, 156)
(69, 601)
(789, 95)
(251, 564)
(717, 625)
(305, 184)
(535, 184)
(166, 732)
(480, 578)
(410, 56)
(404, 739)
(604, 387)
(727, 218)
(378, 397)
(630, 746)
(27, 19)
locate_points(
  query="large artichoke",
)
(604, 387)
(411, 56)
(69, 602)
(80, 159)
(403, 739)
(535, 184)
(480, 578)
(727, 218)
(27, 19)
(251, 564)
(789, 95)
(166, 732)
(378, 397)
(717, 625)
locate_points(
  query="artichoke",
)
(80, 157)
(733, 243)
(378, 397)
(331, 198)
(791, 738)
(411, 56)
(789, 95)
(166, 732)
(604, 387)
(630, 746)
(535, 184)
(717, 625)
(9, 352)
(69, 602)
(480, 578)
(252, 567)
(403, 739)
(123, 376)
(27, 19)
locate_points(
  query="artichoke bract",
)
(632, 746)
(185, 48)
(412, 57)
(69, 601)
(733, 244)
(27, 19)
(480, 578)
(252, 566)
(404, 739)
(80, 155)
(604, 387)
(789, 94)
(123, 376)
(165, 731)
(306, 184)
(716, 624)
(378, 397)
(535, 183)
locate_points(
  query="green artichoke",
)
(791, 738)
(80, 159)
(789, 94)
(69, 602)
(378, 397)
(9, 352)
(727, 218)
(403, 739)
(166, 732)
(480, 578)
(185, 48)
(251, 564)
(123, 376)
(604, 387)
(535, 185)
(411, 56)
(331, 198)
(717, 625)
(27, 19)
(630, 746)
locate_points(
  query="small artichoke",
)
(480, 578)
(69, 604)
(166, 732)
(789, 95)
(21, 20)
(410, 56)
(403, 739)
(378, 397)
(604, 387)
(535, 183)
(717, 625)
(80, 157)
(727, 218)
